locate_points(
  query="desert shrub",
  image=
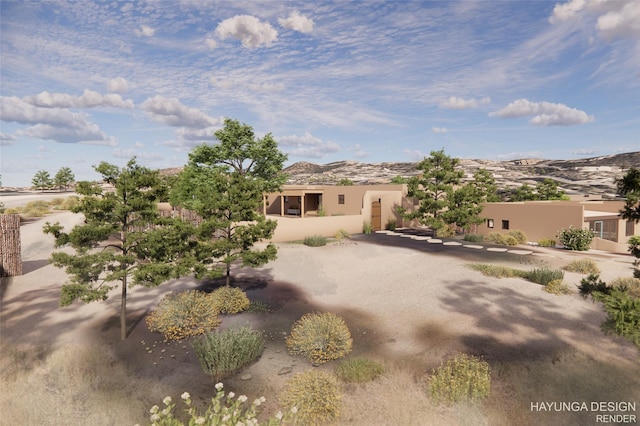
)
(544, 275)
(519, 235)
(629, 284)
(634, 249)
(391, 225)
(321, 212)
(367, 227)
(557, 287)
(623, 315)
(230, 300)
(223, 354)
(314, 396)
(464, 377)
(473, 238)
(496, 271)
(315, 241)
(12, 210)
(320, 337)
(446, 231)
(55, 202)
(36, 208)
(578, 239)
(341, 234)
(185, 314)
(358, 370)
(69, 202)
(547, 242)
(582, 266)
(500, 238)
(594, 286)
(259, 306)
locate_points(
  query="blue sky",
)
(374, 81)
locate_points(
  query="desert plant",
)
(582, 266)
(634, 249)
(314, 396)
(496, 271)
(519, 235)
(473, 238)
(594, 286)
(447, 231)
(358, 370)
(391, 224)
(502, 239)
(544, 275)
(320, 336)
(367, 227)
(630, 284)
(464, 377)
(578, 239)
(259, 306)
(230, 300)
(547, 242)
(223, 354)
(341, 234)
(184, 314)
(315, 241)
(623, 315)
(557, 287)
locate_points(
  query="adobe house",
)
(544, 219)
(326, 209)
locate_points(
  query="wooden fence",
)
(10, 247)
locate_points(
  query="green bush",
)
(36, 209)
(578, 239)
(69, 203)
(367, 227)
(320, 337)
(629, 284)
(623, 315)
(496, 271)
(315, 241)
(519, 235)
(223, 354)
(341, 234)
(391, 224)
(547, 242)
(544, 275)
(464, 377)
(511, 238)
(230, 300)
(582, 266)
(473, 238)
(184, 314)
(314, 396)
(358, 370)
(557, 287)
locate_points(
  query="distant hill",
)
(582, 177)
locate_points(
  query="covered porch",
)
(293, 201)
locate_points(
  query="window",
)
(629, 228)
(490, 223)
(341, 199)
(505, 224)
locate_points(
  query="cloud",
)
(211, 43)
(359, 152)
(145, 31)
(614, 19)
(564, 11)
(7, 139)
(544, 113)
(130, 153)
(308, 146)
(170, 111)
(297, 22)
(248, 29)
(583, 152)
(118, 85)
(52, 123)
(88, 99)
(439, 129)
(415, 154)
(455, 102)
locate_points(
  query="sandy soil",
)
(407, 302)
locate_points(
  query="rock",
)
(246, 376)
(285, 370)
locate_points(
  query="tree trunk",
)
(10, 246)
(123, 310)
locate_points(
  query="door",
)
(376, 216)
(598, 228)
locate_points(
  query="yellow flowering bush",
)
(314, 396)
(464, 377)
(186, 314)
(230, 300)
(320, 337)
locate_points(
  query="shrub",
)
(544, 275)
(519, 235)
(578, 239)
(464, 377)
(446, 231)
(36, 209)
(582, 266)
(320, 337)
(623, 315)
(259, 306)
(223, 354)
(495, 271)
(230, 300)
(502, 239)
(314, 396)
(341, 234)
(594, 286)
(547, 242)
(629, 284)
(391, 224)
(315, 241)
(69, 203)
(184, 314)
(557, 287)
(473, 238)
(358, 370)
(367, 227)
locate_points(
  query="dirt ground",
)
(408, 303)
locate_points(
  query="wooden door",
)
(376, 216)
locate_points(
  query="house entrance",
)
(376, 216)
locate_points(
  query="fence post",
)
(10, 247)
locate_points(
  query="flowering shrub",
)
(578, 239)
(223, 410)
(464, 377)
(320, 337)
(230, 300)
(557, 287)
(358, 370)
(184, 314)
(582, 266)
(314, 396)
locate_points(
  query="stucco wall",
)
(294, 229)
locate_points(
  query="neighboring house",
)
(326, 209)
(545, 219)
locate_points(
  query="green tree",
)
(123, 241)
(466, 200)
(523, 193)
(547, 189)
(64, 178)
(225, 184)
(629, 187)
(434, 190)
(399, 180)
(42, 180)
(345, 182)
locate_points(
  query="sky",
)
(83, 82)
